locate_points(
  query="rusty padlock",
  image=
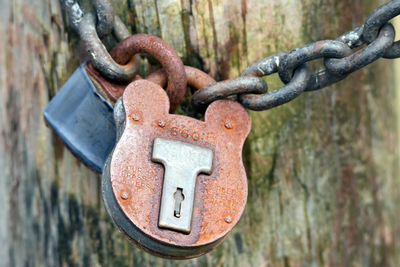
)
(175, 185)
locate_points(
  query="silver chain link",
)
(101, 22)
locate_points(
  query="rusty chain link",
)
(377, 34)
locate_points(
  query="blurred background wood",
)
(322, 170)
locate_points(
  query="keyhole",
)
(179, 197)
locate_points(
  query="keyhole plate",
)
(183, 162)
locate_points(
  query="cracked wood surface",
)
(322, 170)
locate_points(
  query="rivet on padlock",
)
(82, 113)
(201, 178)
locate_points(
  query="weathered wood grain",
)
(323, 169)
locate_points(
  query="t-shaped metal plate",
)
(183, 162)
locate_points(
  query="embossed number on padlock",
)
(137, 189)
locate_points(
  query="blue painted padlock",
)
(83, 119)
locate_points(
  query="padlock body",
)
(132, 183)
(83, 120)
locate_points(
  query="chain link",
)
(376, 20)
(365, 56)
(288, 92)
(225, 89)
(90, 26)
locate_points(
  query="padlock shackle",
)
(196, 78)
(164, 53)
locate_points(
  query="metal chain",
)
(292, 66)
(90, 26)
(377, 33)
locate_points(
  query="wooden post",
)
(322, 170)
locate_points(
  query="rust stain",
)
(111, 89)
